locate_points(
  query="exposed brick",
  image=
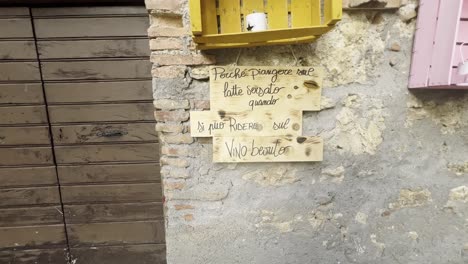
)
(174, 150)
(155, 31)
(168, 116)
(173, 172)
(166, 21)
(166, 44)
(164, 59)
(188, 217)
(169, 104)
(200, 104)
(171, 185)
(176, 139)
(180, 207)
(200, 73)
(176, 162)
(169, 71)
(170, 128)
(165, 6)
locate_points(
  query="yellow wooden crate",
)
(219, 23)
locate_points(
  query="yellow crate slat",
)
(333, 11)
(230, 18)
(255, 44)
(209, 19)
(196, 17)
(251, 6)
(277, 17)
(261, 36)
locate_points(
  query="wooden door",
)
(82, 141)
(31, 215)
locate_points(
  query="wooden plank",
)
(37, 135)
(444, 42)
(31, 216)
(248, 123)
(23, 115)
(10, 177)
(16, 28)
(277, 9)
(124, 212)
(115, 173)
(91, 27)
(142, 192)
(464, 14)
(96, 70)
(423, 39)
(195, 7)
(116, 233)
(462, 35)
(457, 59)
(252, 6)
(292, 41)
(31, 236)
(93, 48)
(22, 93)
(18, 50)
(34, 256)
(14, 11)
(29, 196)
(78, 134)
(305, 13)
(145, 254)
(267, 149)
(230, 18)
(107, 153)
(98, 92)
(265, 88)
(101, 113)
(89, 11)
(19, 71)
(209, 18)
(26, 156)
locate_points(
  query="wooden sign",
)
(256, 114)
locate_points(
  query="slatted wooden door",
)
(98, 96)
(31, 222)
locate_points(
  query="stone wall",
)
(393, 186)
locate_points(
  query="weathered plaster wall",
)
(393, 186)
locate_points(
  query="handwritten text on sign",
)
(256, 114)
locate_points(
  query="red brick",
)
(166, 44)
(171, 150)
(169, 128)
(166, 21)
(176, 162)
(180, 207)
(168, 116)
(164, 59)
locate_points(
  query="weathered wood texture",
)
(109, 173)
(16, 28)
(98, 11)
(91, 27)
(145, 254)
(10, 115)
(21, 93)
(116, 233)
(93, 48)
(140, 192)
(101, 113)
(31, 216)
(96, 70)
(98, 92)
(24, 176)
(106, 153)
(29, 196)
(31, 236)
(34, 135)
(17, 50)
(34, 256)
(19, 71)
(26, 156)
(99, 133)
(127, 212)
